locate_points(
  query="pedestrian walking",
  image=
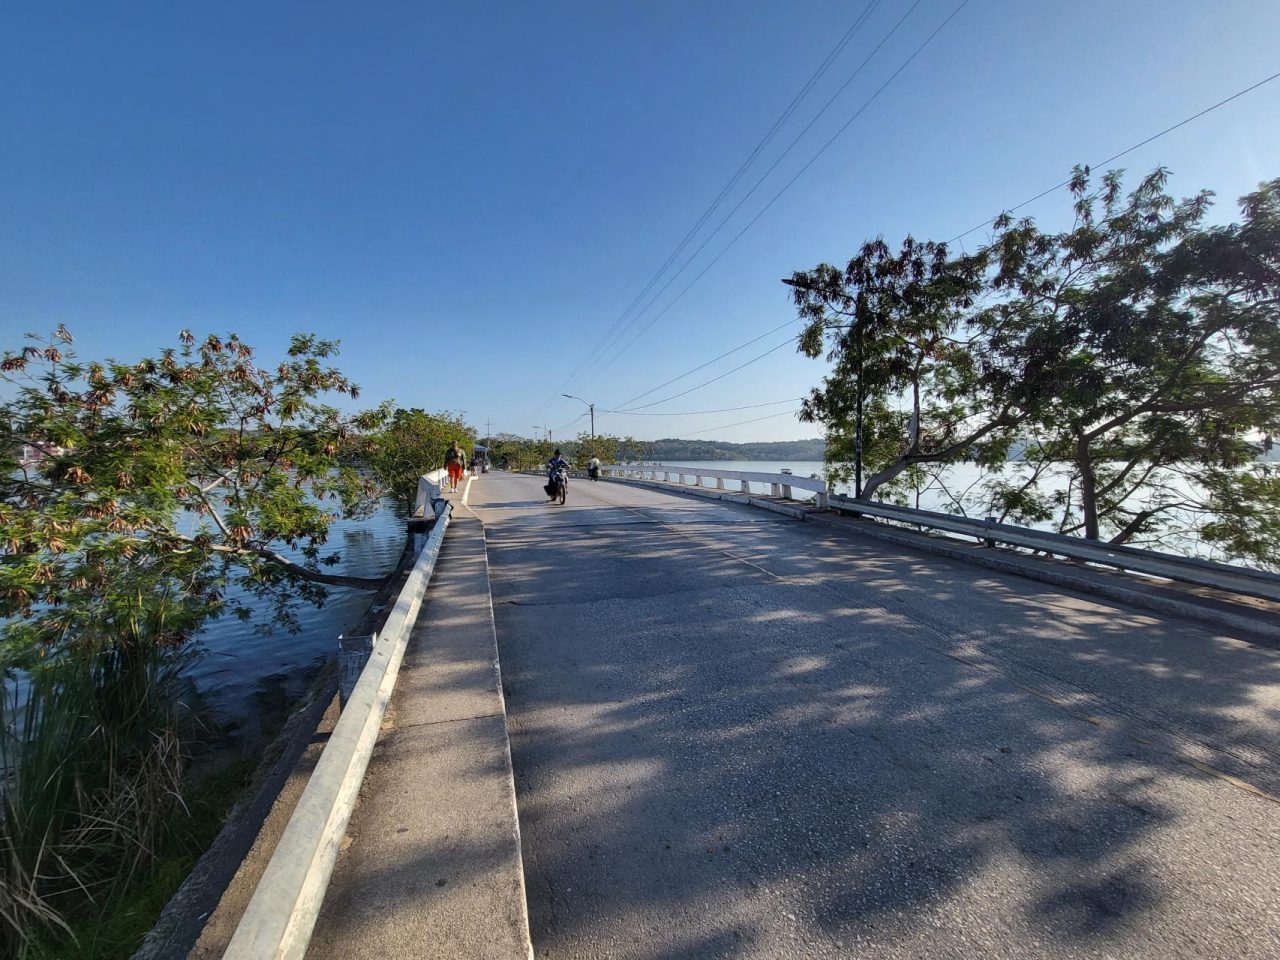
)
(455, 460)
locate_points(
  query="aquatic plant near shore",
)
(92, 749)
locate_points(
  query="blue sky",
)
(468, 195)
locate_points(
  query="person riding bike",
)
(555, 463)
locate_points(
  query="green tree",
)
(607, 447)
(411, 443)
(1159, 341)
(176, 475)
(1131, 363)
(907, 331)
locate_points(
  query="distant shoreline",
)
(785, 450)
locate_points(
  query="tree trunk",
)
(881, 477)
(1088, 488)
(301, 572)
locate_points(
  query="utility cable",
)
(740, 423)
(694, 413)
(707, 383)
(787, 186)
(701, 366)
(1127, 150)
(1042, 194)
(604, 343)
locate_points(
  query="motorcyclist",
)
(593, 468)
(555, 463)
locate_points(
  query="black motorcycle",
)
(558, 486)
(593, 473)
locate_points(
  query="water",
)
(959, 478)
(250, 679)
(801, 468)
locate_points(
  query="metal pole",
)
(591, 408)
(857, 439)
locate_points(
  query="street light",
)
(590, 406)
(857, 436)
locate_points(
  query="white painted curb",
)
(282, 914)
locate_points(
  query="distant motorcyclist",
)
(593, 468)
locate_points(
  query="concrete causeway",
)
(740, 735)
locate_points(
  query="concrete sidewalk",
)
(431, 864)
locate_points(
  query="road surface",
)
(738, 735)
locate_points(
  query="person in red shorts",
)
(454, 459)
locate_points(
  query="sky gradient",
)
(469, 195)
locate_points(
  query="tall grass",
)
(91, 749)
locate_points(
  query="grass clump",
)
(91, 805)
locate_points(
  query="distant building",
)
(33, 455)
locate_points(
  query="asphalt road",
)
(737, 735)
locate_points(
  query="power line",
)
(707, 383)
(701, 366)
(580, 417)
(786, 114)
(1127, 150)
(740, 423)
(787, 186)
(1042, 194)
(785, 153)
(694, 413)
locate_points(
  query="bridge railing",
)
(281, 915)
(780, 484)
(1194, 570)
(429, 491)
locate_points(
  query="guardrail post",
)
(775, 489)
(822, 501)
(353, 654)
(786, 490)
(719, 483)
(666, 476)
(989, 542)
(746, 486)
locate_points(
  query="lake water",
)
(248, 677)
(959, 478)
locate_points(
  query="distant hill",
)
(674, 449)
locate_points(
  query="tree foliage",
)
(176, 475)
(411, 443)
(1131, 362)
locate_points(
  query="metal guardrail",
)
(279, 920)
(780, 484)
(1206, 573)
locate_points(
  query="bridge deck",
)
(739, 735)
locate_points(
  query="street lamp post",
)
(858, 399)
(591, 407)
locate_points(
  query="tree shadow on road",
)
(735, 742)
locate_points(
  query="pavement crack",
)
(435, 723)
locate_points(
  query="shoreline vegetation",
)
(676, 449)
(140, 501)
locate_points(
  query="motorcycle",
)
(558, 486)
(593, 473)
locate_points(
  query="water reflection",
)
(248, 678)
